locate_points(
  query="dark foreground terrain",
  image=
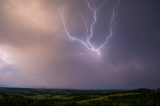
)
(60, 97)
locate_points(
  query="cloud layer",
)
(35, 53)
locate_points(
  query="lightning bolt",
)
(90, 28)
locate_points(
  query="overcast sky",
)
(35, 51)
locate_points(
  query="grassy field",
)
(63, 97)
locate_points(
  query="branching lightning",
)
(90, 28)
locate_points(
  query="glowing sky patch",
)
(31, 14)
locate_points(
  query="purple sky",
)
(35, 51)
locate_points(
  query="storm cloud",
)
(34, 51)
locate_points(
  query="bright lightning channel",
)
(90, 28)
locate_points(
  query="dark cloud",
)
(34, 49)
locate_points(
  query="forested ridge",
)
(67, 97)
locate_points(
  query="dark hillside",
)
(62, 97)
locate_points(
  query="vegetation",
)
(60, 97)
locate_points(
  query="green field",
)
(66, 97)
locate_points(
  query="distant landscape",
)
(69, 97)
